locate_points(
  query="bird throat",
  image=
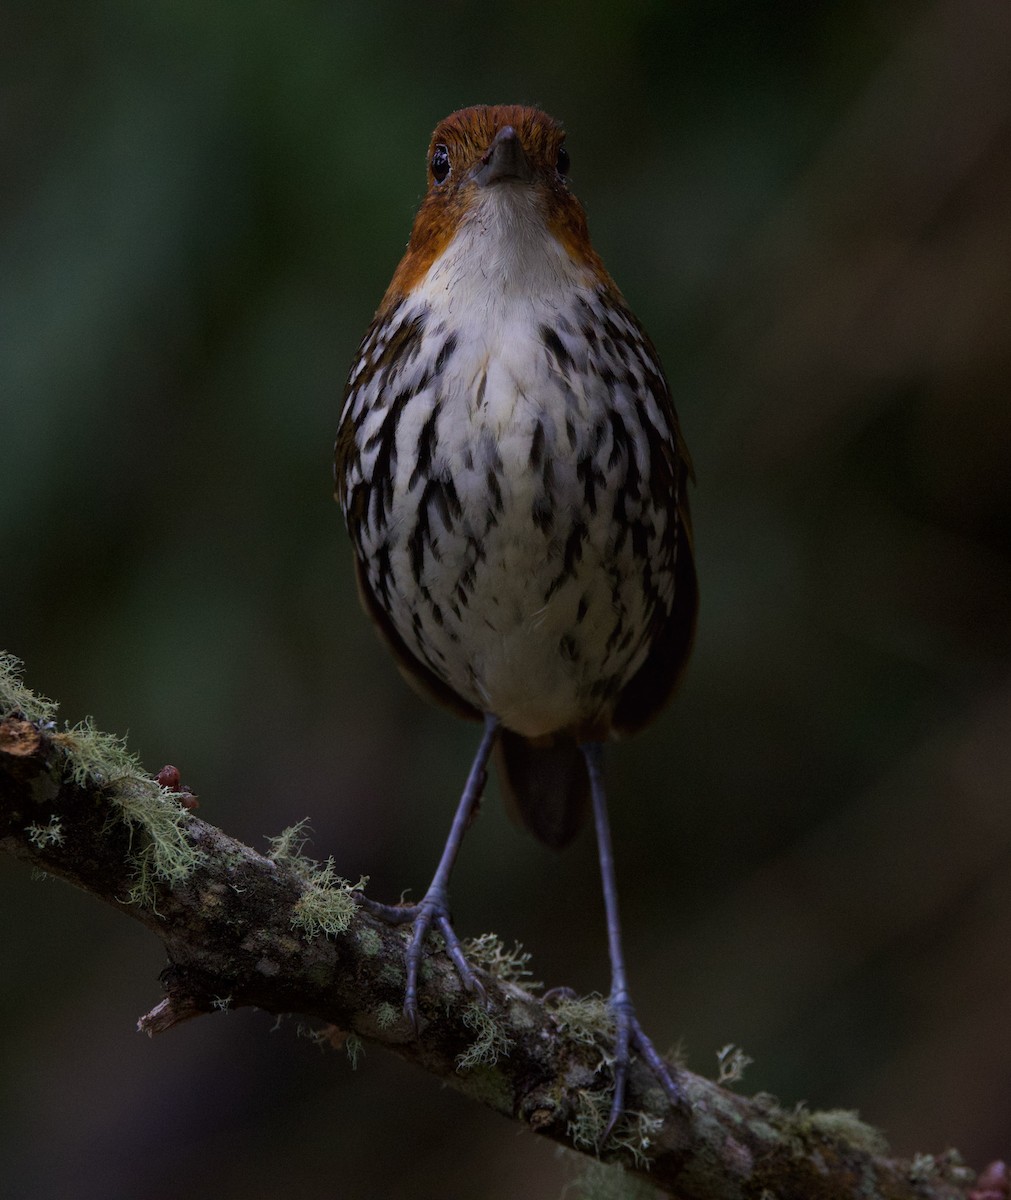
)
(503, 260)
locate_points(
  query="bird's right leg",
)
(628, 1033)
(433, 908)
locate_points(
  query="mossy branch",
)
(286, 934)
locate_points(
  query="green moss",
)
(370, 941)
(846, 1126)
(392, 973)
(839, 1124)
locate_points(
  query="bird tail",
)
(546, 786)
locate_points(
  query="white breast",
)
(492, 566)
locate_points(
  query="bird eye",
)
(562, 163)
(440, 163)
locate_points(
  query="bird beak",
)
(505, 158)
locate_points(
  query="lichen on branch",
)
(285, 933)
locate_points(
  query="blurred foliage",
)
(808, 207)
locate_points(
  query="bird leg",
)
(433, 909)
(628, 1033)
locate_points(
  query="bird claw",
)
(629, 1035)
(434, 906)
(463, 968)
(432, 911)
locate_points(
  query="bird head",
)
(503, 165)
(493, 144)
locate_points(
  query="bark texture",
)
(284, 934)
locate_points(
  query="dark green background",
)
(808, 207)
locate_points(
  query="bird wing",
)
(671, 473)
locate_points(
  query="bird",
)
(514, 480)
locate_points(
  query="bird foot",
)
(432, 912)
(629, 1036)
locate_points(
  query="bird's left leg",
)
(433, 908)
(628, 1032)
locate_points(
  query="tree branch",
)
(284, 934)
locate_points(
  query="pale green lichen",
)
(511, 966)
(327, 905)
(633, 1132)
(584, 1019)
(491, 1040)
(923, 1168)
(155, 817)
(42, 836)
(732, 1064)
(159, 845)
(287, 846)
(16, 698)
(387, 1016)
(96, 757)
(355, 1049)
(160, 851)
(590, 1120)
(953, 1168)
(949, 1166)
